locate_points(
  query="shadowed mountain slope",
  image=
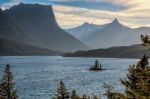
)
(38, 22)
(8, 48)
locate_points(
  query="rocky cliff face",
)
(9, 30)
(38, 22)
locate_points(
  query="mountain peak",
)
(115, 21)
(27, 5)
(20, 4)
(86, 23)
(115, 24)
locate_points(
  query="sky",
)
(72, 13)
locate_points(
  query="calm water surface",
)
(37, 77)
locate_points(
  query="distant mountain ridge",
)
(35, 25)
(84, 30)
(110, 34)
(134, 51)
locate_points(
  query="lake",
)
(37, 77)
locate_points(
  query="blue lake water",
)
(37, 77)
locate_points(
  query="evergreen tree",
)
(111, 94)
(145, 40)
(96, 97)
(62, 92)
(143, 63)
(74, 95)
(137, 83)
(7, 85)
(85, 97)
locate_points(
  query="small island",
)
(96, 67)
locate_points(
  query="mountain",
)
(11, 31)
(14, 41)
(134, 51)
(10, 48)
(111, 34)
(84, 30)
(144, 29)
(38, 22)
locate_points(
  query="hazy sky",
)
(70, 13)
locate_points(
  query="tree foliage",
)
(74, 95)
(137, 83)
(111, 94)
(96, 97)
(62, 92)
(85, 97)
(7, 90)
(145, 40)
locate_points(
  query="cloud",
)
(92, 5)
(74, 16)
(7, 4)
(71, 20)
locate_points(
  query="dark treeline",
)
(136, 83)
